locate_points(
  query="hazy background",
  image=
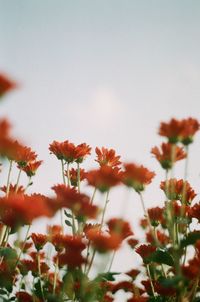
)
(102, 72)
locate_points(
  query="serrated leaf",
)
(190, 239)
(162, 257)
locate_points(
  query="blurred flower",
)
(120, 227)
(31, 168)
(73, 174)
(39, 240)
(6, 84)
(179, 130)
(145, 250)
(104, 178)
(137, 176)
(164, 156)
(107, 157)
(178, 190)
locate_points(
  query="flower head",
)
(6, 84)
(164, 155)
(137, 176)
(107, 157)
(179, 130)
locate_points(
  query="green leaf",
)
(190, 239)
(106, 276)
(68, 286)
(67, 222)
(161, 256)
(67, 214)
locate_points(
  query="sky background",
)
(102, 72)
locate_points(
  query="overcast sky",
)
(102, 72)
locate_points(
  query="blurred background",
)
(105, 73)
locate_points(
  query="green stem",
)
(8, 179)
(111, 262)
(78, 177)
(104, 210)
(18, 178)
(39, 272)
(55, 276)
(22, 249)
(63, 171)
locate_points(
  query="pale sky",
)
(102, 72)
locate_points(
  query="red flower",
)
(164, 156)
(107, 157)
(73, 174)
(31, 168)
(24, 297)
(127, 286)
(178, 189)
(194, 211)
(161, 237)
(138, 299)
(13, 189)
(133, 273)
(4, 128)
(137, 176)
(145, 250)
(39, 240)
(6, 84)
(79, 203)
(81, 151)
(69, 152)
(104, 242)
(132, 242)
(104, 178)
(120, 227)
(155, 215)
(180, 130)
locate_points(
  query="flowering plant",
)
(59, 265)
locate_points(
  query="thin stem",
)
(111, 262)
(149, 274)
(18, 178)
(104, 209)
(8, 179)
(39, 272)
(148, 219)
(63, 171)
(24, 243)
(78, 177)
(68, 175)
(93, 195)
(55, 276)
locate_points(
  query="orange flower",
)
(145, 250)
(104, 178)
(137, 176)
(6, 84)
(155, 215)
(73, 173)
(180, 130)
(18, 209)
(13, 189)
(120, 227)
(4, 128)
(79, 203)
(69, 152)
(164, 156)
(39, 240)
(31, 168)
(64, 150)
(81, 151)
(178, 189)
(104, 242)
(107, 157)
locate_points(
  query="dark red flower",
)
(155, 215)
(39, 240)
(24, 297)
(137, 176)
(145, 250)
(107, 157)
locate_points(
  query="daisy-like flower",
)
(145, 250)
(73, 174)
(107, 157)
(104, 178)
(179, 130)
(31, 168)
(69, 152)
(39, 240)
(164, 155)
(120, 227)
(136, 176)
(103, 241)
(178, 190)
(6, 84)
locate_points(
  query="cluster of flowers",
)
(57, 265)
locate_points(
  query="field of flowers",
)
(57, 265)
